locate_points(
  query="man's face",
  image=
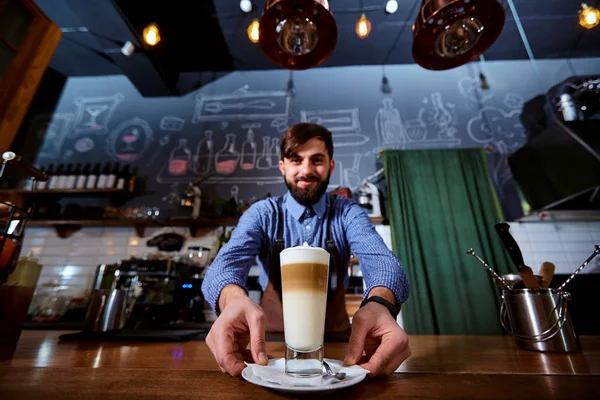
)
(307, 171)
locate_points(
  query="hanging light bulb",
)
(297, 34)
(391, 6)
(363, 27)
(253, 31)
(385, 85)
(151, 34)
(589, 17)
(246, 6)
(447, 34)
(483, 83)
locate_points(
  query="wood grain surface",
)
(465, 367)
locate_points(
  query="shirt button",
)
(308, 227)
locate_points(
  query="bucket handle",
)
(548, 333)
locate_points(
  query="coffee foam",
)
(304, 254)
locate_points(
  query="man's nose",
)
(306, 168)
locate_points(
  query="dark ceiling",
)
(211, 35)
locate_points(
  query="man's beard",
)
(310, 195)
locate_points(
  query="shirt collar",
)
(297, 209)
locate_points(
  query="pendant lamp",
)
(450, 33)
(297, 34)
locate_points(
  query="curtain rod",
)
(489, 148)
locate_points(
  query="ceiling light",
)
(128, 48)
(385, 85)
(253, 31)
(246, 6)
(363, 27)
(483, 83)
(391, 6)
(151, 34)
(448, 34)
(589, 17)
(297, 34)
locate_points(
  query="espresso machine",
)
(161, 291)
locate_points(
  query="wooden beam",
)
(23, 76)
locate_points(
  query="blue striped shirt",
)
(254, 240)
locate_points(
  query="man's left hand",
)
(377, 333)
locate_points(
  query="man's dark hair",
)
(299, 134)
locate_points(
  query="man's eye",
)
(295, 160)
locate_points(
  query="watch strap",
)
(377, 299)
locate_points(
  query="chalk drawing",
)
(333, 120)
(388, 125)
(94, 113)
(264, 161)
(226, 159)
(130, 140)
(173, 196)
(514, 101)
(242, 104)
(248, 156)
(171, 123)
(204, 152)
(51, 131)
(471, 89)
(163, 141)
(84, 145)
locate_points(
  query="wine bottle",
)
(123, 178)
(111, 180)
(103, 177)
(59, 175)
(71, 176)
(82, 177)
(51, 177)
(92, 179)
(39, 185)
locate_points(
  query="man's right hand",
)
(228, 337)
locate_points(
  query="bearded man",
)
(306, 213)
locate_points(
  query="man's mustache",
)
(308, 178)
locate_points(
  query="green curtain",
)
(441, 203)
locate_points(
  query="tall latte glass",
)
(304, 282)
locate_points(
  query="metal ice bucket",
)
(539, 320)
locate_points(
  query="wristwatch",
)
(377, 299)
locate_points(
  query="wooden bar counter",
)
(440, 367)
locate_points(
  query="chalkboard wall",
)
(228, 131)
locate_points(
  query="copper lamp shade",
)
(297, 34)
(450, 33)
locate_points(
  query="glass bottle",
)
(82, 177)
(111, 179)
(123, 178)
(90, 183)
(58, 177)
(228, 157)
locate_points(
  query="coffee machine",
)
(161, 291)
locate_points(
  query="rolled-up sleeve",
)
(380, 267)
(233, 262)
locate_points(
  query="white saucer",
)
(329, 384)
